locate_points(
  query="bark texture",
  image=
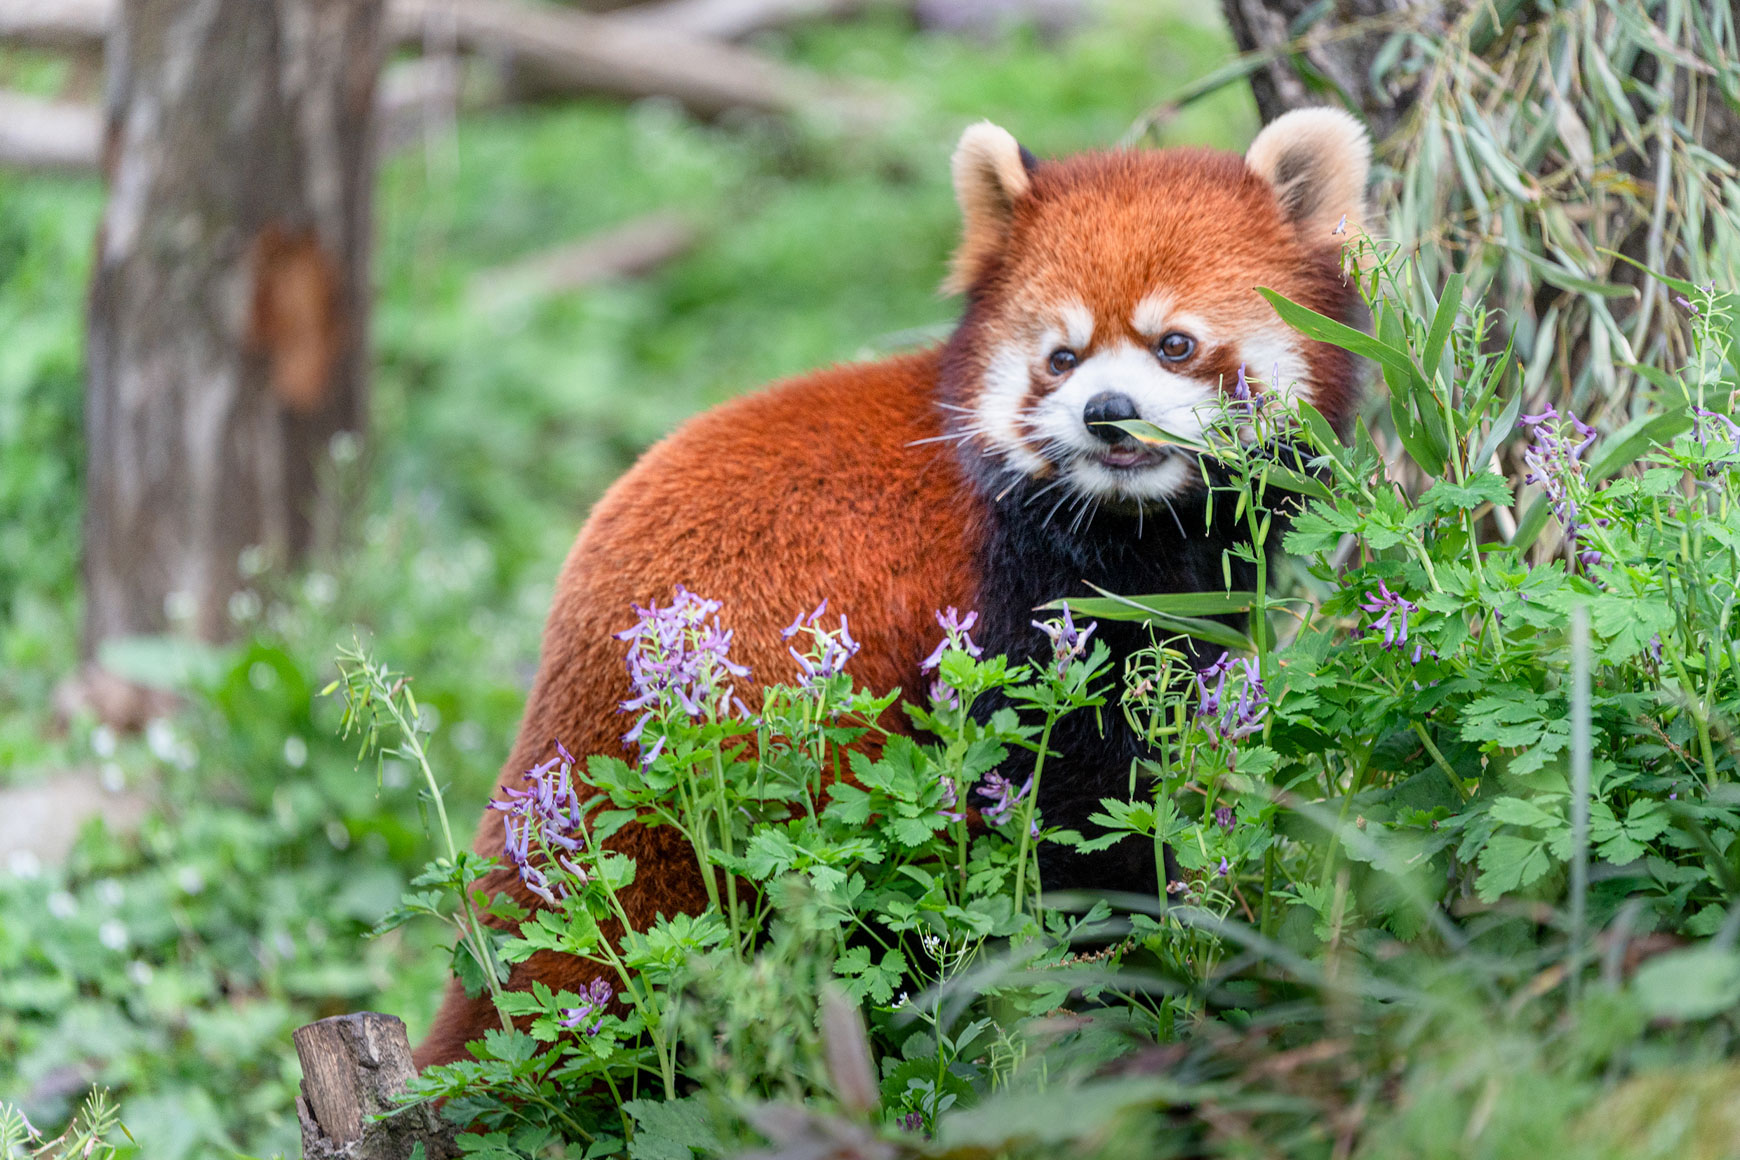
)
(1319, 50)
(229, 305)
(354, 1067)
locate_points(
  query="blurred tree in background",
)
(229, 309)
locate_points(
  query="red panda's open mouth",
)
(1131, 456)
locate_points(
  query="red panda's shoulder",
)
(831, 485)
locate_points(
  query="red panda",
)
(980, 474)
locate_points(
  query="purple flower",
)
(1232, 716)
(1725, 428)
(955, 628)
(1688, 307)
(544, 817)
(1068, 643)
(1223, 817)
(1223, 869)
(593, 1001)
(1209, 699)
(946, 807)
(1554, 461)
(912, 1122)
(678, 660)
(1004, 797)
(1393, 623)
(828, 652)
(943, 696)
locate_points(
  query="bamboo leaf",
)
(1325, 329)
(1442, 321)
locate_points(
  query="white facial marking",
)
(1008, 377)
(1078, 325)
(1149, 317)
(1162, 397)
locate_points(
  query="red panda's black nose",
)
(1106, 408)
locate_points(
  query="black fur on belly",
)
(1037, 553)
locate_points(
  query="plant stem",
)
(1027, 819)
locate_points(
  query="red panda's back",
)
(815, 487)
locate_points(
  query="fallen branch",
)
(63, 25)
(634, 248)
(65, 137)
(51, 136)
(565, 52)
(558, 51)
(736, 19)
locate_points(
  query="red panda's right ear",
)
(991, 175)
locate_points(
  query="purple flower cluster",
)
(549, 811)
(678, 656)
(1392, 611)
(1724, 427)
(1004, 798)
(1231, 718)
(946, 807)
(1223, 817)
(829, 651)
(593, 1001)
(956, 629)
(1554, 460)
(1068, 643)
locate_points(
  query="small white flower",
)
(113, 934)
(320, 589)
(24, 863)
(395, 774)
(160, 739)
(295, 752)
(140, 972)
(103, 741)
(109, 892)
(190, 880)
(62, 905)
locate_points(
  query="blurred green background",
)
(170, 959)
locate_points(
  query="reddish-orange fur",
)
(811, 488)
(822, 486)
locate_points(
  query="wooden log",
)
(736, 19)
(636, 247)
(41, 136)
(54, 136)
(354, 1068)
(64, 25)
(559, 51)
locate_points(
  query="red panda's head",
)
(1122, 285)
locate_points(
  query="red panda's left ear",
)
(1318, 160)
(991, 175)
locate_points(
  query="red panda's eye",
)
(1176, 347)
(1064, 360)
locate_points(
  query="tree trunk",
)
(1336, 52)
(229, 306)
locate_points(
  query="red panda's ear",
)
(1318, 160)
(991, 175)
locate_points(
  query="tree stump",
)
(353, 1068)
